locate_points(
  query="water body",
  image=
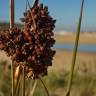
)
(81, 47)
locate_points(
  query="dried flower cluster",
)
(30, 47)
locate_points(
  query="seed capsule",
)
(30, 47)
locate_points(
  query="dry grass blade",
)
(75, 51)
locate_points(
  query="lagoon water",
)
(81, 47)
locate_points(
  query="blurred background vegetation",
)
(84, 83)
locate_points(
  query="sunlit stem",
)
(17, 85)
(33, 88)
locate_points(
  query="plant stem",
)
(12, 74)
(33, 89)
(11, 26)
(34, 23)
(35, 3)
(44, 85)
(75, 51)
(11, 14)
(23, 83)
(17, 86)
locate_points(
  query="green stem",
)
(23, 83)
(75, 51)
(18, 91)
(44, 85)
(17, 86)
(33, 89)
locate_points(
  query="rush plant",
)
(75, 51)
(30, 47)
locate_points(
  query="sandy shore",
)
(85, 38)
(86, 61)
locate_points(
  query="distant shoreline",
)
(68, 50)
(85, 38)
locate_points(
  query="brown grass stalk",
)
(11, 26)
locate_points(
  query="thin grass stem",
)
(75, 51)
(12, 75)
(17, 86)
(47, 92)
(33, 88)
(11, 14)
(34, 23)
(35, 3)
(11, 26)
(23, 82)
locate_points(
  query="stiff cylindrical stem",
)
(23, 82)
(11, 14)
(33, 89)
(75, 51)
(35, 3)
(44, 85)
(12, 76)
(11, 26)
